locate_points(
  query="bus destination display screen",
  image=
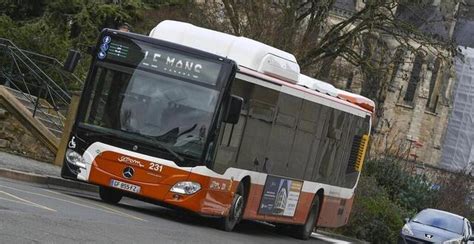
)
(144, 55)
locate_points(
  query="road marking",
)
(15, 201)
(29, 202)
(328, 239)
(116, 211)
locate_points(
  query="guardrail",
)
(38, 77)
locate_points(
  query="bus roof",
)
(253, 55)
(317, 94)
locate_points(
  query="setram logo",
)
(128, 172)
(131, 161)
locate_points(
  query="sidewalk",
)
(26, 169)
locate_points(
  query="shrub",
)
(374, 217)
(455, 195)
(413, 193)
(417, 194)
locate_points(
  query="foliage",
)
(386, 194)
(374, 217)
(52, 27)
(455, 194)
(413, 193)
(23, 9)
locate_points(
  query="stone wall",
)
(16, 138)
(410, 130)
(416, 129)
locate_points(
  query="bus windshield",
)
(174, 112)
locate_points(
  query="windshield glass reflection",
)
(171, 111)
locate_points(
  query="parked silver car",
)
(436, 226)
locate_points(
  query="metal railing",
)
(40, 79)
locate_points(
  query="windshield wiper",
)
(153, 139)
(160, 144)
(188, 130)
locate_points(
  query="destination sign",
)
(140, 54)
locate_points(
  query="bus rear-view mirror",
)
(233, 111)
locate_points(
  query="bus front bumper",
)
(205, 201)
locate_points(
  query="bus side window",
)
(282, 135)
(301, 154)
(328, 147)
(246, 141)
(343, 149)
(261, 114)
(317, 151)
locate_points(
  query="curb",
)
(341, 237)
(46, 180)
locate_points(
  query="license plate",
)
(125, 186)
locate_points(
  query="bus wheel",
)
(109, 195)
(236, 210)
(303, 232)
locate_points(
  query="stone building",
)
(417, 98)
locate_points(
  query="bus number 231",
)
(155, 167)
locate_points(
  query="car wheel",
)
(110, 195)
(236, 210)
(303, 232)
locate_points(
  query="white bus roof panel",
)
(317, 85)
(246, 52)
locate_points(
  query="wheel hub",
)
(239, 202)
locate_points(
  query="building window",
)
(433, 94)
(414, 80)
(397, 62)
(349, 81)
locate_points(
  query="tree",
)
(304, 29)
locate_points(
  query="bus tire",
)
(303, 232)
(236, 210)
(283, 229)
(109, 195)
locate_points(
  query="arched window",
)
(375, 66)
(414, 79)
(433, 94)
(397, 63)
(349, 80)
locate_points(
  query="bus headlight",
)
(186, 187)
(75, 158)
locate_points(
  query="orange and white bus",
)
(220, 125)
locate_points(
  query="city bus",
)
(218, 125)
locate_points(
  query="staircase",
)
(39, 83)
(43, 112)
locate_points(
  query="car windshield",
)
(169, 110)
(440, 220)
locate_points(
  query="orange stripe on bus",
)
(156, 185)
(335, 212)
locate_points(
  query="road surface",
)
(32, 213)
